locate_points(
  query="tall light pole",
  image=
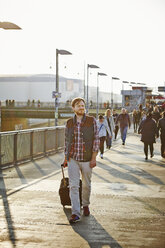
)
(113, 78)
(61, 52)
(98, 74)
(94, 67)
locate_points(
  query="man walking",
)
(81, 148)
(161, 127)
(124, 121)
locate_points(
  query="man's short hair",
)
(77, 100)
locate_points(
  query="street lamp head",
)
(125, 82)
(63, 52)
(93, 66)
(115, 78)
(9, 25)
(102, 74)
(132, 82)
(141, 83)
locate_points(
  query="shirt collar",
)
(75, 119)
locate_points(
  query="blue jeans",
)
(108, 141)
(123, 131)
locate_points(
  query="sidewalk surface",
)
(127, 202)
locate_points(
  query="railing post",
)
(15, 148)
(31, 144)
(56, 144)
(45, 141)
(0, 151)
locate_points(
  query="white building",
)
(22, 88)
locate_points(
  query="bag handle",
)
(62, 168)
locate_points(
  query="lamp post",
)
(98, 74)
(94, 67)
(61, 52)
(9, 25)
(113, 78)
(123, 82)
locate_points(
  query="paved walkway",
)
(127, 202)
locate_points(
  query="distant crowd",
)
(148, 121)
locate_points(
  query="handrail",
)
(28, 144)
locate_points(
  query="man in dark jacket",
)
(81, 148)
(161, 127)
(148, 130)
(124, 121)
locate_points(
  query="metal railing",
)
(24, 145)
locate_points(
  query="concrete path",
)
(127, 202)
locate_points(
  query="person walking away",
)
(103, 129)
(148, 130)
(135, 120)
(156, 114)
(115, 115)
(144, 115)
(125, 122)
(139, 117)
(81, 148)
(161, 128)
(108, 119)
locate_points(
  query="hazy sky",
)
(126, 38)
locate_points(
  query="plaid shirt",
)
(77, 150)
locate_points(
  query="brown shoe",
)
(86, 211)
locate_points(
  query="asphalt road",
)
(127, 202)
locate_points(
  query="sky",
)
(125, 38)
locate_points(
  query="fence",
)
(19, 146)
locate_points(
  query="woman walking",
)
(148, 130)
(135, 120)
(103, 130)
(108, 119)
(115, 115)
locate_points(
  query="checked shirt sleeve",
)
(96, 140)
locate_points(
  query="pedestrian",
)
(156, 114)
(81, 148)
(148, 130)
(115, 115)
(103, 129)
(125, 122)
(144, 115)
(108, 119)
(135, 120)
(161, 128)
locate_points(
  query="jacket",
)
(112, 124)
(103, 129)
(161, 127)
(124, 120)
(148, 130)
(87, 134)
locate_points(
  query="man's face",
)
(79, 108)
(123, 111)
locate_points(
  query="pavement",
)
(127, 202)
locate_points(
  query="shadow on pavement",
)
(149, 206)
(141, 173)
(93, 232)
(119, 174)
(7, 211)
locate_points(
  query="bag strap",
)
(101, 127)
